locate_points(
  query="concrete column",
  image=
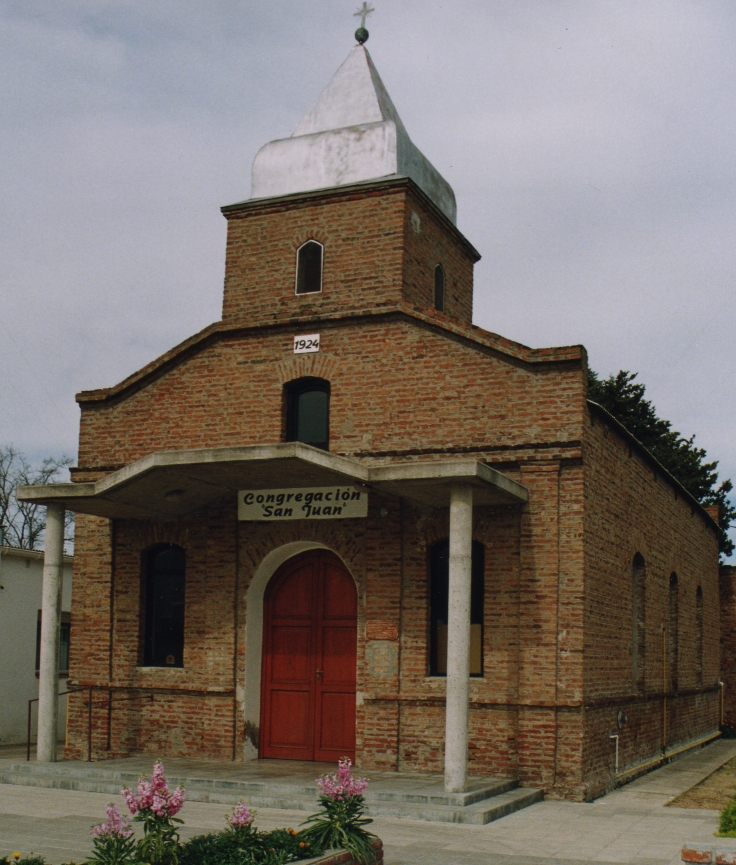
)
(458, 638)
(48, 675)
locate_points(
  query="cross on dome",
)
(362, 13)
(361, 34)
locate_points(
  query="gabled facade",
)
(345, 521)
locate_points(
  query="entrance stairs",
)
(286, 784)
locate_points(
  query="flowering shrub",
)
(113, 841)
(18, 858)
(156, 808)
(241, 818)
(342, 785)
(341, 823)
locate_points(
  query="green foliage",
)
(624, 398)
(728, 729)
(727, 821)
(114, 850)
(247, 848)
(160, 842)
(340, 825)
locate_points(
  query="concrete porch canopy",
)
(170, 485)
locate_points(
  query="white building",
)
(21, 574)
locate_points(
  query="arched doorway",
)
(310, 619)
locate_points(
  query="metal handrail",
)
(30, 710)
(108, 703)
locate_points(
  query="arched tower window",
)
(308, 412)
(699, 636)
(439, 579)
(163, 606)
(673, 635)
(309, 267)
(439, 288)
(638, 636)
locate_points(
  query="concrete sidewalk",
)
(631, 825)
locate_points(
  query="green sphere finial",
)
(361, 34)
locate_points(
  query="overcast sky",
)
(591, 146)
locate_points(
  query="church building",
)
(345, 521)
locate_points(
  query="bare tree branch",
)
(23, 523)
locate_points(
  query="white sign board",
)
(312, 503)
(305, 343)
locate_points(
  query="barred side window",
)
(439, 582)
(163, 606)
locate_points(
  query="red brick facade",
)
(406, 382)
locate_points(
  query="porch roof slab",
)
(170, 485)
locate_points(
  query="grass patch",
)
(714, 792)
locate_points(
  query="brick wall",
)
(381, 242)
(727, 583)
(630, 508)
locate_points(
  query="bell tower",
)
(346, 215)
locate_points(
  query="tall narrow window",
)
(309, 267)
(699, 637)
(163, 610)
(439, 579)
(439, 288)
(308, 412)
(638, 636)
(673, 634)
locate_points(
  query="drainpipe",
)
(665, 683)
(616, 763)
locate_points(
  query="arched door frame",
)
(254, 628)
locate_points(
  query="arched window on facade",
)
(673, 634)
(639, 630)
(699, 636)
(439, 578)
(163, 606)
(439, 288)
(308, 412)
(309, 258)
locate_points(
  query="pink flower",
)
(342, 785)
(153, 796)
(116, 825)
(241, 816)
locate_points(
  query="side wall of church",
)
(631, 509)
(727, 584)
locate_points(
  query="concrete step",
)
(418, 797)
(478, 814)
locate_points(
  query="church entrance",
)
(310, 632)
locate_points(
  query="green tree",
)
(624, 398)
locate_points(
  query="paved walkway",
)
(631, 825)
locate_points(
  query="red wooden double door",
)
(309, 652)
